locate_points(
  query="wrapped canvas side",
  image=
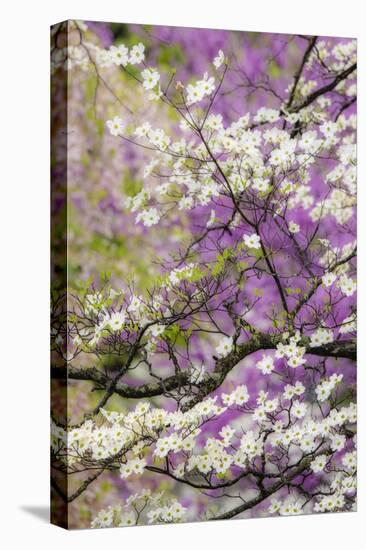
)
(59, 483)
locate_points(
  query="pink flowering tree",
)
(230, 375)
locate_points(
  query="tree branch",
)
(265, 493)
(324, 89)
(300, 70)
(341, 348)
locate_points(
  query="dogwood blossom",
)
(239, 396)
(116, 320)
(328, 279)
(119, 55)
(115, 126)
(137, 54)
(219, 59)
(225, 346)
(134, 466)
(148, 217)
(338, 442)
(293, 227)
(252, 241)
(349, 461)
(266, 364)
(299, 409)
(150, 77)
(348, 324)
(324, 389)
(196, 92)
(319, 463)
(347, 285)
(320, 337)
(291, 391)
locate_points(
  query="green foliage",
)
(257, 252)
(176, 335)
(274, 70)
(258, 292)
(221, 259)
(197, 274)
(170, 55)
(290, 291)
(131, 186)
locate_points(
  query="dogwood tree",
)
(232, 374)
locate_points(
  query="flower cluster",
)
(155, 508)
(196, 92)
(325, 388)
(320, 337)
(225, 346)
(292, 351)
